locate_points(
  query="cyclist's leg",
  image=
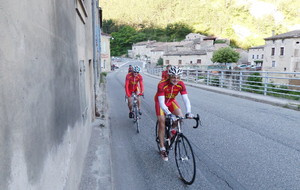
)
(139, 105)
(129, 99)
(175, 109)
(161, 134)
(130, 104)
(161, 130)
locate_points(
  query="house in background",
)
(282, 52)
(195, 49)
(186, 58)
(256, 56)
(105, 52)
(140, 50)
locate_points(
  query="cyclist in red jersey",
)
(165, 102)
(164, 74)
(130, 68)
(134, 83)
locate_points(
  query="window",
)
(257, 56)
(296, 53)
(179, 61)
(273, 64)
(262, 56)
(273, 51)
(252, 56)
(81, 10)
(167, 62)
(297, 66)
(281, 50)
(199, 61)
(82, 90)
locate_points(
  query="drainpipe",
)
(96, 41)
(95, 61)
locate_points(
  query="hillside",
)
(245, 21)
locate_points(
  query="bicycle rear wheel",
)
(156, 136)
(185, 160)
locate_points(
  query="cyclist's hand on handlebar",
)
(171, 116)
(141, 94)
(189, 115)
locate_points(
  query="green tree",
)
(110, 26)
(123, 40)
(160, 61)
(178, 31)
(225, 55)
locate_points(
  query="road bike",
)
(136, 113)
(184, 155)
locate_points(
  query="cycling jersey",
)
(169, 91)
(134, 84)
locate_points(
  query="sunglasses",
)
(136, 72)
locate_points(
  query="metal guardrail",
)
(278, 84)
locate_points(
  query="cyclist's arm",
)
(142, 85)
(162, 105)
(187, 103)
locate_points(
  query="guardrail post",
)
(196, 80)
(266, 81)
(222, 78)
(207, 78)
(240, 81)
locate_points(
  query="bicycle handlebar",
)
(197, 119)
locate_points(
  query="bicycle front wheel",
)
(185, 160)
(136, 120)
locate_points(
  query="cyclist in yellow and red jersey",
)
(134, 83)
(164, 74)
(166, 104)
(130, 68)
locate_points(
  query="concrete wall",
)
(46, 93)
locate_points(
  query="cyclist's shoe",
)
(130, 114)
(164, 155)
(140, 112)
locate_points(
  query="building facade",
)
(47, 92)
(256, 56)
(105, 52)
(282, 52)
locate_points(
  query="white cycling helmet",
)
(136, 69)
(176, 71)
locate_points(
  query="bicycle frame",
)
(169, 124)
(136, 116)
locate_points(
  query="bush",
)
(102, 77)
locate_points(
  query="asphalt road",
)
(242, 144)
